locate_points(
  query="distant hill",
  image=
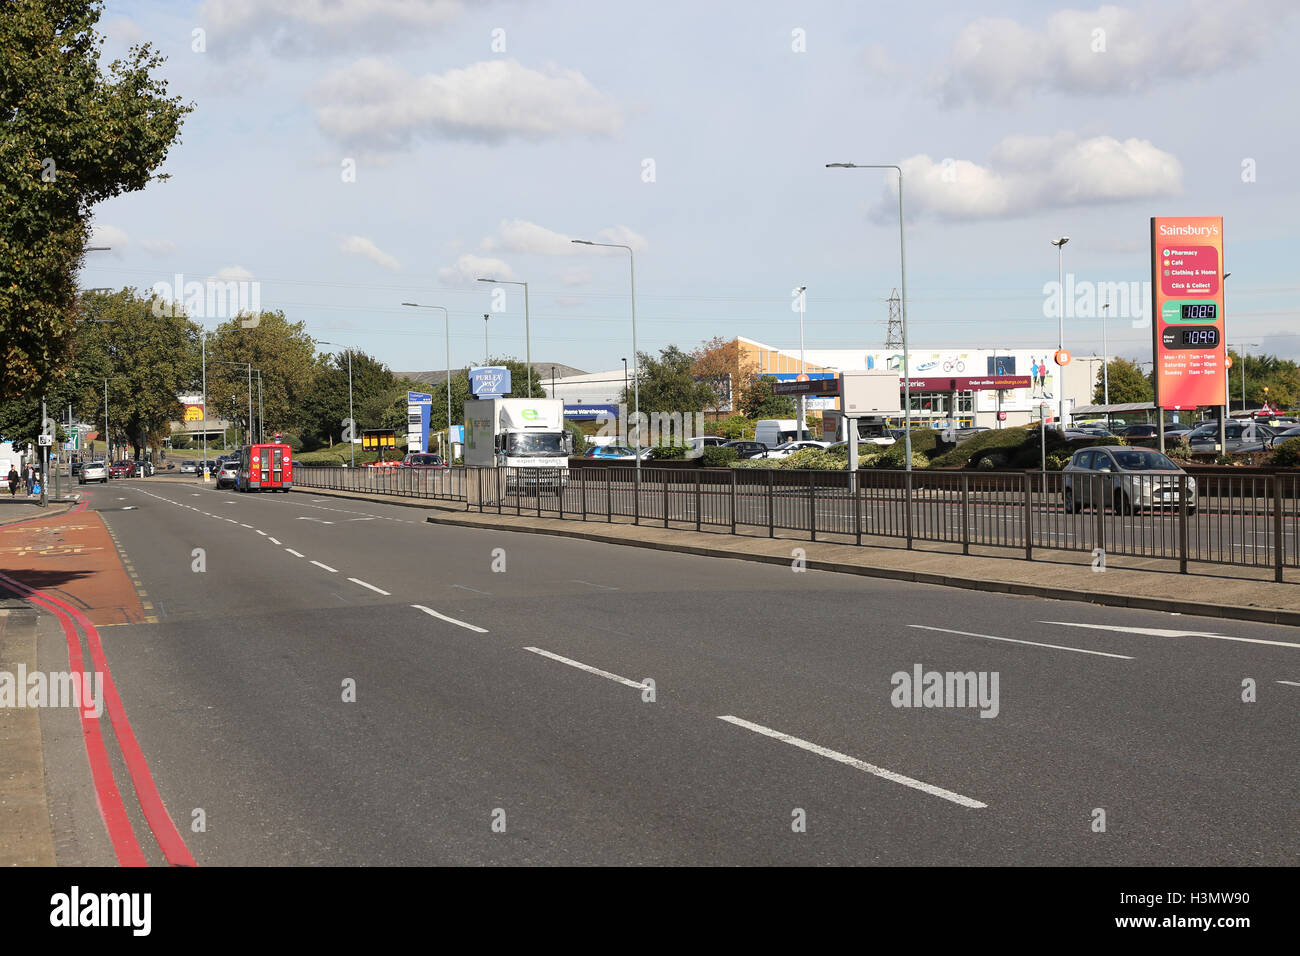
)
(541, 373)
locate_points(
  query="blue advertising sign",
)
(418, 398)
(589, 413)
(490, 380)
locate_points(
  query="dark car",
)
(144, 468)
(1139, 431)
(1238, 434)
(747, 449)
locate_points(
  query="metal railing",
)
(446, 484)
(1251, 521)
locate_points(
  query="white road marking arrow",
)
(1165, 632)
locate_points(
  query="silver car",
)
(93, 471)
(1128, 479)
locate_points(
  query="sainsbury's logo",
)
(1188, 230)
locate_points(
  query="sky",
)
(351, 155)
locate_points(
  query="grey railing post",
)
(698, 478)
(560, 484)
(1182, 523)
(665, 474)
(1029, 515)
(1278, 553)
(907, 515)
(857, 507)
(965, 514)
(582, 488)
(771, 515)
(733, 500)
(609, 498)
(1099, 505)
(636, 497)
(812, 506)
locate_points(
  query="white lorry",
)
(526, 436)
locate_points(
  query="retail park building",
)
(973, 387)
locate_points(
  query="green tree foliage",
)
(1280, 376)
(1127, 384)
(758, 400)
(669, 383)
(75, 134)
(147, 358)
(281, 349)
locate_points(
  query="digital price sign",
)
(1187, 291)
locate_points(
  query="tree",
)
(668, 383)
(758, 400)
(75, 135)
(718, 364)
(1127, 384)
(283, 351)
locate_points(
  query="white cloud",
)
(231, 274)
(158, 247)
(304, 27)
(113, 237)
(1027, 173)
(366, 249)
(381, 106)
(519, 235)
(1107, 50)
(576, 277)
(469, 268)
(624, 236)
(883, 71)
(568, 301)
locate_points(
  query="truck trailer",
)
(526, 436)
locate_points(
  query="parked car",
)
(702, 442)
(790, 447)
(189, 467)
(144, 468)
(122, 469)
(228, 474)
(747, 449)
(612, 453)
(93, 471)
(1138, 431)
(1205, 437)
(423, 460)
(1131, 480)
(76, 468)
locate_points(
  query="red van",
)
(265, 468)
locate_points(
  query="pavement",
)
(1244, 593)
(337, 681)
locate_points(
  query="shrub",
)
(1055, 461)
(580, 443)
(734, 428)
(1287, 454)
(987, 464)
(716, 456)
(675, 449)
(293, 440)
(1180, 449)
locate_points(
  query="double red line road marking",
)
(107, 794)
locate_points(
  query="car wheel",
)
(1071, 506)
(1191, 509)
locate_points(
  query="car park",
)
(1130, 480)
(701, 442)
(1238, 435)
(228, 474)
(93, 471)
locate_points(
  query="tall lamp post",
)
(803, 370)
(625, 377)
(446, 325)
(636, 358)
(249, 366)
(552, 382)
(528, 338)
(1241, 351)
(1060, 325)
(352, 444)
(907, 362)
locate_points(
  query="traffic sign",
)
(44, 440)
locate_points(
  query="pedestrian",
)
(13, 481)
(29, 479)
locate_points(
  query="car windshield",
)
(1137, 460)
(425, 460)
(535, 445)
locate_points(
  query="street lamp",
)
(487, 354)
(625, 378)
(446, 322)
(552, 382)
(636, 358)
(528, 340)
(1241, 350)
(803, 371)
(352, 423)
(249, 366)
(1060, 326)
(902, 266)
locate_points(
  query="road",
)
(504, 716)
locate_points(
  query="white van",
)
(777, 431)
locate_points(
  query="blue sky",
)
(1015, 123)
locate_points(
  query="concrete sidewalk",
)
(1248, 594)
(25, 835)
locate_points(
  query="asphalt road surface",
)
(508, 715)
